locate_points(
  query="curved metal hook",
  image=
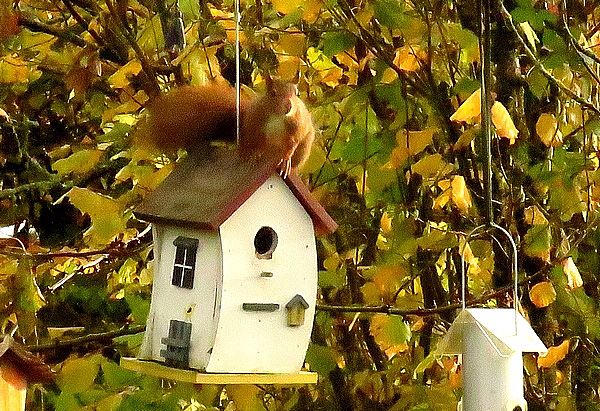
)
(514, 267)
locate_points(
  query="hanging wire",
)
(485, 44)
(237, 73)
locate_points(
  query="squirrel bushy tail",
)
(276, 124)
(189, 117)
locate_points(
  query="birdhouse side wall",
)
(253, 334)
(197, 305)
(13, 387)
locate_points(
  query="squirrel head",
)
(282, 94)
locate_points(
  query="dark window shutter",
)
(177, 274)
(177, 353)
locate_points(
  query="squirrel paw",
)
(285, 167)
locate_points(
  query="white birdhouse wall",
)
(197, 305)
(269, 256)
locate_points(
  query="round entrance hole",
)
(265, 242)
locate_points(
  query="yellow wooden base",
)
(196, 377)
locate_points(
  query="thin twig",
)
(538, 64)
(83, 23)
(588, 53)
(40, 186)
(153, 88)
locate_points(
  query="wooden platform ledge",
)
(196, 377)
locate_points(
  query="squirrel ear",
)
(269, 82)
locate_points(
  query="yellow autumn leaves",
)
(543, 293)
(547, 127)
(470, 111)
(410, 143)
(456, 190)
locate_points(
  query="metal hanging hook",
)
(514, 267)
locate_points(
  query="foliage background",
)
(395, 163)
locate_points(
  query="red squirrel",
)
(277, 123)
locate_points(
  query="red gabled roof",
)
(205, 190)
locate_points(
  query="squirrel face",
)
(283, 95)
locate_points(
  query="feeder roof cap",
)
(499, 326)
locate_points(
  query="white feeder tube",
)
(490, 381)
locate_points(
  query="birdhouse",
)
(492, 342)
(235, 266)
(18, 367)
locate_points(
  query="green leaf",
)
(335, 42)
(538, 83)
(29, 298)
(390, 330)
(389, 92)
(110, 403)
(115, 376)
(390, 12)
(91, 396)
(128, 270)
(66, 401)
(79, 162)
(466, 39)
(437, 237)
(379, 181)
(78, 374)
(139, 306)
(108, 218)
(553, 41)
(426, 363)
(538, 238)
(321, 359)
(190, 10)
(536, 18)
(332, 278)
(118, 132)
(357, 149)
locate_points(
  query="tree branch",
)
(424, 312)
(152, 88)
(87, 339)
(38, 26)
(129, 248)
(40, 186)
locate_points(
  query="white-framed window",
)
(185, 261)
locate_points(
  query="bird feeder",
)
(492, 342)
(17, 368)
(235, 270)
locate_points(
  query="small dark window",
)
(185, 261)
(265, 242)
